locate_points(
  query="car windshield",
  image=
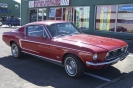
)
(62, 29)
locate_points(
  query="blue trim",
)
(5, 11)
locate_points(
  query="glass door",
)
(33, 15)
(59, 14)
(56, 14)
(37, 14)
(40, 15)
(44, 14)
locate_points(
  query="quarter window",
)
(35, 31)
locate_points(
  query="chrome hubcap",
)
(15, 50)
(70, 66)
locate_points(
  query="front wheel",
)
(16, 51)
(74, 67)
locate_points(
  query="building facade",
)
(104, 17)
(9, 8)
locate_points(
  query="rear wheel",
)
(74, 67)
(16, 51)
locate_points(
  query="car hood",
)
(98, 41)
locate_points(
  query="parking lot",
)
(31, 72)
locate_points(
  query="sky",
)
(19, 1)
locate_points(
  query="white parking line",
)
(99, 77)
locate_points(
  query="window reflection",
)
(77, 15)
(40, 14)
(111, 18)
(125, 18)
(105, 18)
(33, 15)
(37, 14)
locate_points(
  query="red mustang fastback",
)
(62, 42)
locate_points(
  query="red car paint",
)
(82, 45)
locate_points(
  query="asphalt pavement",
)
(31, 72)
(124, 81)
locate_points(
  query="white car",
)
(0, 23)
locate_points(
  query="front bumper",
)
(120, 58)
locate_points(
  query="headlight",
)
(95, 56)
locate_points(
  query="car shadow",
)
(43, 73)
(108, 73)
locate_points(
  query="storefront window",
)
(82, 17)
(52, 13)
(40, 14)
(33, 15)
(44, 13)
(58, 12)
(68, 14)
(105, 18)
(37, 15)
(125, 18)
(78, 15)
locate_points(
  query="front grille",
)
(116, 53)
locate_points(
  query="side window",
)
(35, 30)
(52, 29)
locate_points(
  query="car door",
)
(56, 51)
(36, 41)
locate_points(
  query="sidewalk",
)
(125, 81)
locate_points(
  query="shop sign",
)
(3, 5)
(31, 4)
(44, 3)
(127, 7)
(5, 11)
(52, 12)
(64, 2)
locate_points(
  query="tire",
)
(16, 51)
(74, 67)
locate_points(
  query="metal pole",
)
(20, 12)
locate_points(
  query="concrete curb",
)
(114, 80)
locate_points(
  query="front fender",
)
(82, 55)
